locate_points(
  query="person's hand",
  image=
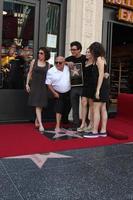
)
(70, 64)
(106, 75)
(27, 88)
(97, 95)
(56, 95)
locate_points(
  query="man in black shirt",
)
(76, 89)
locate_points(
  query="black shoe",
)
(103, 134)
(91, 135)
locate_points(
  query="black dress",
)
(38, 95)
(104, 90)
(88, 88)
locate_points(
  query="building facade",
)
(84, 22)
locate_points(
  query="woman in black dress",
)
(87, 95)
(37, 89)
(101, 90)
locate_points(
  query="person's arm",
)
(100, 64)
(69, 64)
(106, 75)
(56, 94)
(48, 82)
(29, 75)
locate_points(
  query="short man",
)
(76, 91)
(58, 81)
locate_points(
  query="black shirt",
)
(80, 60)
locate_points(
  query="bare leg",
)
(39, 117)
(90, 114)
(97, 106)
(36, 123)
(84, 111)
(104, 118)
(58, 120)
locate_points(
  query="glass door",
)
(26, 25)
(19, 21)
(52, 29)
(19, 41)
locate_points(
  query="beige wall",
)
(84, 22)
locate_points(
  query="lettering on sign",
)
(122, 3)
(125, 15)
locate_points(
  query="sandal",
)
(88, 129)
(41, 129)
(81, 129)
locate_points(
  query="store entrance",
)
(26, 25)
(121, 69)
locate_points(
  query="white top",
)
(60, 80)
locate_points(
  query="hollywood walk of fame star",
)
(75, 71)
(40, 159)
(64, 132)
(72, 133)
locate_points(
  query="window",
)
(52, 29)
(17, 43)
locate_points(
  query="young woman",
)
(87, 95)
(101, 88)
(37, 89)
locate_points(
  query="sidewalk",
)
(102, 173)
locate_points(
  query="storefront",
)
(118, 41)
(25, 25)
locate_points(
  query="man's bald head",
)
(60, 58)
(59, 62)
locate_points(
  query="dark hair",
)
(46, 52)
(77, 44)
(97, 49)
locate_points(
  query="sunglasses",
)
(41, 53)
(73, 49)
(58, 63)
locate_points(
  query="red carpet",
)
(21, 139)
(121, 126)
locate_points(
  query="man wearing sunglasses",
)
(76, 91)
(58, 81)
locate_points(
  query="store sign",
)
(123, 13)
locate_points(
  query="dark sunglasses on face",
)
(40, 53)
(58, 63)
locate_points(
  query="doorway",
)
(18, 23)
(121, 71)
